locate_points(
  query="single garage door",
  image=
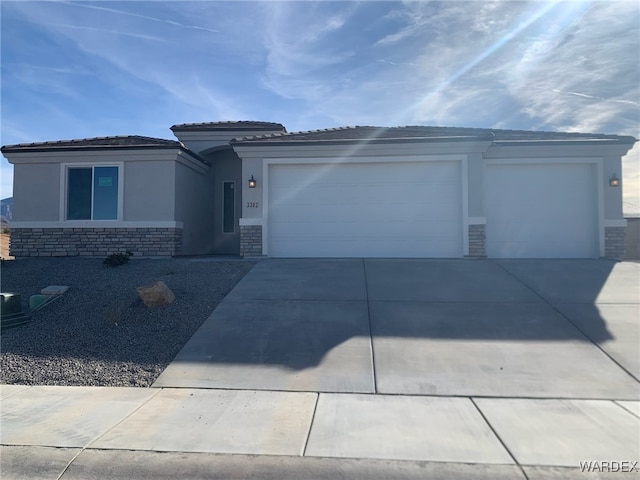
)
(541, 211)
(400, 209)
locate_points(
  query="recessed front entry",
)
(386, 209)
(227, 206)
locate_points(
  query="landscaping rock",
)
(95, 335)
(156, 295)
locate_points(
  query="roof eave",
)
(566, 141)
(68, 148)
(357, 141)
(194, 155)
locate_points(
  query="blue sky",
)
(85, 69)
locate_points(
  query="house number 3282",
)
(252, 204)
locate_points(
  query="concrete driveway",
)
(517, 328)
(440, 369)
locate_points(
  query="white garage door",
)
(400, 209)
(541, 211)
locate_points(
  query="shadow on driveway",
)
(513, 328)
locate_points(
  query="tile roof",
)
(122, 141)
(239, 125)
(369, 133)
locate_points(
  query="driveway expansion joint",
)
(313, 417)
(373, 354)
(504, 445)
(559, 312)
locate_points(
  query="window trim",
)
(64, 190)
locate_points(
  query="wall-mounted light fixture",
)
(614, 181)
(252, 182)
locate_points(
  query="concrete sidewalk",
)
(103, 432)
(368, 369)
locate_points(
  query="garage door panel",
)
(366, 247)
(387, 215)
(365, 232)
(405, 209)
(541, 211)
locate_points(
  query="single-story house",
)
(253, 189)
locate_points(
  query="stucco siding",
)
(612, 195)
(149, 191)
(193, 207)
(36, 192)
(251, 196)
(475, 181)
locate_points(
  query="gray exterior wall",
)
(612, 195)
(149, 191)
(475, 172)
(36, 192)
(194, 208)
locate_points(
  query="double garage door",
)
(414, 209)
(399, 209)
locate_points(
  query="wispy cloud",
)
(561, 78)
(41, 79)
(155, 67)
(299, 49)
(474, 62)
(110, 31)
(594, 97)
(47, 70)
(388, 62)
(138, 15)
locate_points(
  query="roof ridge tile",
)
(228, 125)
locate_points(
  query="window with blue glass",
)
(92, 193)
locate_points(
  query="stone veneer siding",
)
(614, 242)
(64, 242)
(477, 240)
(250, 240)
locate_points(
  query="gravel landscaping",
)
(99, 332)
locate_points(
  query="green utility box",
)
(11, 308)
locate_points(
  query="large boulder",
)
(156, 295)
